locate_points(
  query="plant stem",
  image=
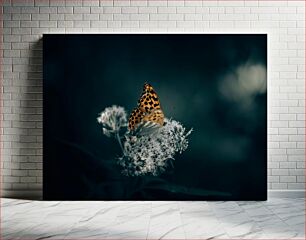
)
(119, 140)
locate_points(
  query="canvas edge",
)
(37, 194)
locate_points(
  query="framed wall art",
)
(155, 117)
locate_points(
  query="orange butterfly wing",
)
(148, 109)
(135, 118)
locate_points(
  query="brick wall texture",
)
(24, 22)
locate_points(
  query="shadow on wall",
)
(30, 124)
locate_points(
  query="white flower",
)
(149, 154)
(112, 119)
(148, 149)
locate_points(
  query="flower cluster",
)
(148, 149)
(112, 119)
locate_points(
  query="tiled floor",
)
(273, 219)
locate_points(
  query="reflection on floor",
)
(273, 219)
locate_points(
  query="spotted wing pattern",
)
(148, 109)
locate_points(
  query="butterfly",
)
(148, 109)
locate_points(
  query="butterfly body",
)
(148, 109)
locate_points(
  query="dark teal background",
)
(83, 74)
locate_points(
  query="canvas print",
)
(155, 117)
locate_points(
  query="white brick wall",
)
(24, 22)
